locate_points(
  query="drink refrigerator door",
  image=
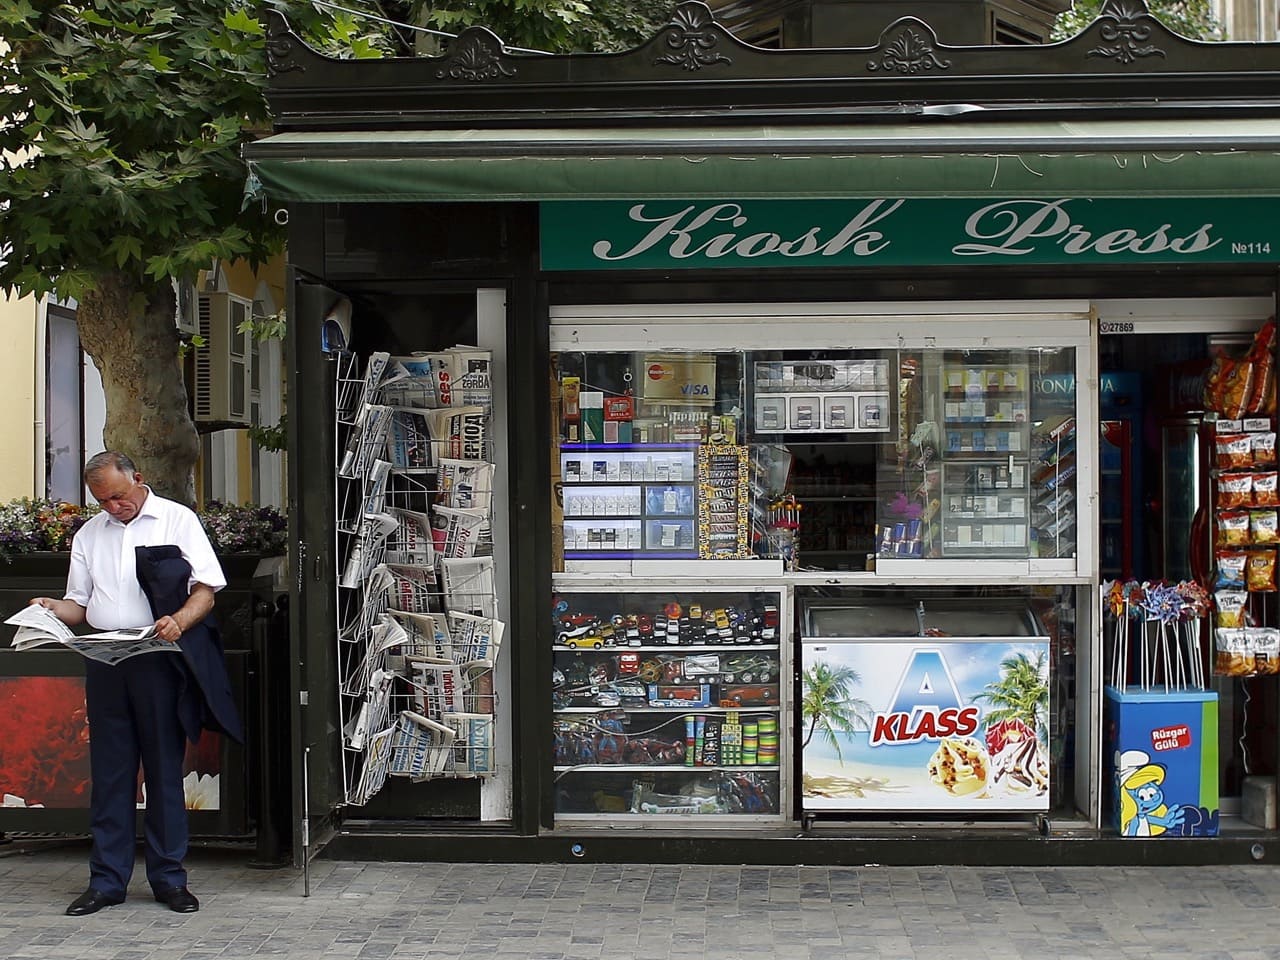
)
(1181, 492)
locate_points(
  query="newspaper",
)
(427, 636)
(366, 548)
(37, 626)
(468, 585)
(459, 376)
(465, 484)
(475, 638)
(409, 439)
(367, 441)
(456, 532)
(373, 772)
(411, 544)
(472, 743)
(459, 433)
(421, 748)
(438, 685)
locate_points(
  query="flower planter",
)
(54, 675)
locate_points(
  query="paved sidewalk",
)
(625, 912)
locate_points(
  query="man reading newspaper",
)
(144, 561)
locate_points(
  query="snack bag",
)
(1262, 526)
(1265, 492)
(1265, 644)
(1232, 655)
(1234, 451)
(1231, 569)
(1234, 490)
(1263, 448)
(1262, 356)
(1231, 606)
(1260, 571)
(1233, 528)
(1228, 387)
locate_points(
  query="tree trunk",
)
(127, 326)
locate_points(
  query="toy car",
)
(576, 632)
(628, 664)
(588, 640)
(571, 620)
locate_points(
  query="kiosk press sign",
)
(953, 725)
(703, 234)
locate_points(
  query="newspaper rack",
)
(417, 630)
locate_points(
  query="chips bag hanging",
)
(1260, 571)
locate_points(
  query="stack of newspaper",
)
(38, 626)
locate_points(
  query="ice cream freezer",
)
(934, 705)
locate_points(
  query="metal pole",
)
(306, 822)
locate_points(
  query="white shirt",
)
(103, 577)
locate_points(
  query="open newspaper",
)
(37, 626)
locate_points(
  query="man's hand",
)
(197, 607)
(68, 611)
(167, 629)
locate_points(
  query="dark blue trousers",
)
(133, 717)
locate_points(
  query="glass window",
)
(63, 408)
(827, 459)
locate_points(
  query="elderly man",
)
(144, 560)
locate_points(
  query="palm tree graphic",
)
(828, 704)
(1021, 693)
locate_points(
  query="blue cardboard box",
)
(1161, 753)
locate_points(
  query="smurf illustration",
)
(1143, 810)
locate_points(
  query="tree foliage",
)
(121, 123)
(1190, 18)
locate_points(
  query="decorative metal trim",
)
(693, 34)
(1125, 28)
(281, 47)
(909, 52)
(477, 56)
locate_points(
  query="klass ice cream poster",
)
(957, 726)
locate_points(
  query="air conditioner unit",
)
(224, 363)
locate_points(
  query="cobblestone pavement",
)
(626, 912)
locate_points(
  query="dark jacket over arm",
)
(163, 576)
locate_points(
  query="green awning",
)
(934, 157)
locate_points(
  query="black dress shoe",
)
(91, 901)
(178, 899)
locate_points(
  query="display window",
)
(852, 459)
(670, 703)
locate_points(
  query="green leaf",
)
(241, 22)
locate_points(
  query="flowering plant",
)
(28, 526)
(245, 528)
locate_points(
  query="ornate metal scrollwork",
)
(692, 35)
(1123, 33)
(908, 52)
(477, 56)
(280, 47)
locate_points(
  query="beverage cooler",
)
(934, 705)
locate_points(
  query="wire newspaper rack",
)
(418, 630)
